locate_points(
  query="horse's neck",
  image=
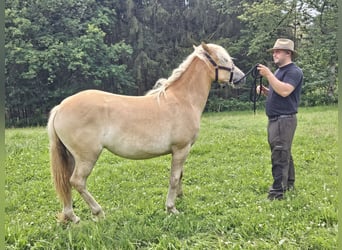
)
(194, 84)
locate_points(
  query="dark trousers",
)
(281, 131)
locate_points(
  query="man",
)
(282, 102)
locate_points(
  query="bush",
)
(215, 104)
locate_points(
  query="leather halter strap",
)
(217, 67)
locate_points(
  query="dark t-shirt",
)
(278, 105)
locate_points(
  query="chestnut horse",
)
(164, 121)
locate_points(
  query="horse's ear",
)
(205, 47)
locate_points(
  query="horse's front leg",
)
(175, 185)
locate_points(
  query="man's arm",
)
(281, 88)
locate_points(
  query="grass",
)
(224, 206)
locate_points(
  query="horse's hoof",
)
(100, 215)
(76, 219)
(172, 210)
(63, 218)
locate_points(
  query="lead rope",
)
(254, 96)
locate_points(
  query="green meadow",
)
(225, 184)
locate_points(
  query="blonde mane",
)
(162, 84)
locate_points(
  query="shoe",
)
(275, 196)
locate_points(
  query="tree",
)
(319, 59)
(54, 49)
(313, 27)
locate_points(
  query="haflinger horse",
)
(164, 121)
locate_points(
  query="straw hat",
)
(284, 44)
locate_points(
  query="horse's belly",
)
(138, 149)
(137, 153)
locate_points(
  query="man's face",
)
(281, 57)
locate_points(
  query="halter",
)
(254, 72)
(217, 67)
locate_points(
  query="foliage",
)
(313, 27)
(215, 104)
(226, 179)
(55, 48)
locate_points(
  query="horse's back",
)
(132, 127)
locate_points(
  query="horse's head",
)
(225, 70)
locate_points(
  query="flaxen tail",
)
(62, 162)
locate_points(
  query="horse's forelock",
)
(222, 54)
(216, 51)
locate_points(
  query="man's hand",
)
(264, 90)
(264, 70)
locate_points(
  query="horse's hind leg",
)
(78, 181)
(175, 186)
(179, 188)
(68, 212)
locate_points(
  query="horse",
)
(166, 120)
